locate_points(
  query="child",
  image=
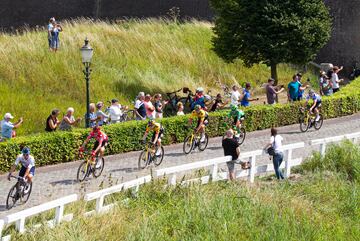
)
(180, 108)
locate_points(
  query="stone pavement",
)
(56, 181)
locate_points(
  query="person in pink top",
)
(150, 109)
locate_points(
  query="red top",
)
(100, 137)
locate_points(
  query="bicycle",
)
(307, 120)
(148, 155)
(20, 191)
(193, 140)
(241, 138)
(90, 165)
(171, 107)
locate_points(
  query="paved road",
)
(55, 181)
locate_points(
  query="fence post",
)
(1, 227)
(172, 180)
(99, 203)
(252, 168)
(214, 172)
(59, 213)
(322, 149)
(20, 225)
(288, 162)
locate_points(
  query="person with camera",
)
(274, 149)
(272, 91)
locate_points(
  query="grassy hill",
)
(130, 56)
(322, 202)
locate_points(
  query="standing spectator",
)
(301, 91)
(150, 109)
(272, 92)
(247, 96)
(235, 96)
(114, 111)
(159, 106)
(276, 144)
(101, 116)
(52, 122)
(293, 89)
(180, 106)
(7, 128)
(93, 116)
(140, 110)
(68, 120)
(325, 84)
(218, 103)
(335, 79)
(50, 29)
(231, 148)
(199, 98)
(55, 41)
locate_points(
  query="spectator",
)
(199, 98)
(231, 148)
(68, 120)
(180, 106)
(246, 96)
(293, 89)
(114, 111)
(150, 109)
(235, 96)
(52, 122)
(301, 91)
(50, 29)
(140, 111)
(159, 106)
(272, 92)
(325, 84)
(93, 117)
(335, 79)
(218, 103)
(276, 144)
(55, 41)
(101, 116)
(7, 128)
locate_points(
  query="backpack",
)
(271, 151)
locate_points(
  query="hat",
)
(114, 101)
(8, 116)
(141, 94)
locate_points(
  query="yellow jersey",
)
(201, 115)
(156, 127)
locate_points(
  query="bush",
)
(51, 148)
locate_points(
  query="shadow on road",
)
(3, 208)
(126, 169)
(175, 154)
(64, 182)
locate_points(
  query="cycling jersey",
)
(100, 137)
(29, 163)
(314, 97)
(237, 114)
(201, 115)
(156, 127)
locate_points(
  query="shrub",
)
(51, 148)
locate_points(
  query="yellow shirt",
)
(156, 127)
(201, 115)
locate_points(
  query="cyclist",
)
(316, 103)
(237, 115)
(100, 143)
(157, 135)
(202, 116)
(27, 162)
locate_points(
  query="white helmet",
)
(200, 89)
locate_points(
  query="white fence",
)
(173, 173)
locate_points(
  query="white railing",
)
(99, 196)
(322, 142)
(19, 218)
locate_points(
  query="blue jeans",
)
(277, 160)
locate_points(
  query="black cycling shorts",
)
(161, 133)
(96, 144)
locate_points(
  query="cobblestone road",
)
(56, 181)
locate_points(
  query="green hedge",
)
(51, 148)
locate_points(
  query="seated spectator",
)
(218, 103)
(114, 111)
(245, 101)
(325, 84)
(68, 120)
(150, 109)
(7, 128)
(101, 116)
(272, 91)
(335, 79)
(180, 106)
(52, 122)
(140, 111)
(159, 106)
(93, 116)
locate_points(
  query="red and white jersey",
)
(99, 136)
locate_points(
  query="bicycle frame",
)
(89, 159)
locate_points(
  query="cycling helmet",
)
(233, 107)
(151, 122)
(199, 90)
(197, 107)
(25, 150)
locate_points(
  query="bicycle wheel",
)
(159, 158)
(318, 124)
(188, 144)
(82, 172)
(203, 144)
(26, 193)
(143, 160)
(12, 197)
(242, 135)
(304, 124)
(98, 167)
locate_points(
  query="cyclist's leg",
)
(158, 144)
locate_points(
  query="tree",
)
(270, 31)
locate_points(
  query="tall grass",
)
(130, 56)
(319, 205)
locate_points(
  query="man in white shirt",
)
(335, 79)
(115, 112)
(27, 165)
(235, 96)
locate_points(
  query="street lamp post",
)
(87, 53)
